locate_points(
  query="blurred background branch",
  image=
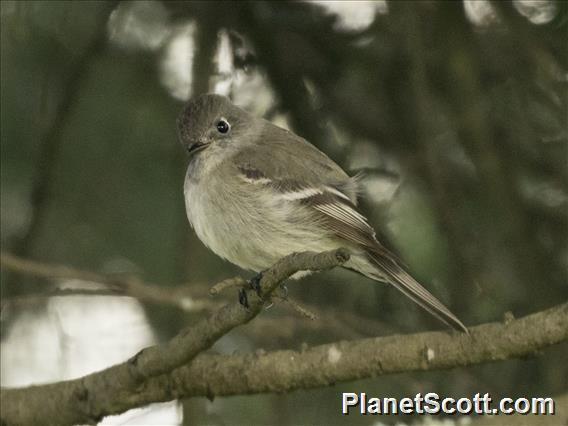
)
(178, 296)
(51, 139)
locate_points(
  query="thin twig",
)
(298, 308)
(236, 282)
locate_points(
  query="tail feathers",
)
(407, 285)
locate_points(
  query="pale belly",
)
(249, 229)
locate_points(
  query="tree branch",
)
(284, 371)
(90, 398)
(324, 365)
(268, 331)
(178, 296)
(174, 369)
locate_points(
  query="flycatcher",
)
(255, 192)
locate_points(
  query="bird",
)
(255, 192)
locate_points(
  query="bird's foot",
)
(284, 289)
(254, 283)
(243, 298)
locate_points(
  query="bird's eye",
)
(223, 126)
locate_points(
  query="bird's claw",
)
(284, 291)
(254, 283)
(243, 298)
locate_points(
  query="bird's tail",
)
(403, 281)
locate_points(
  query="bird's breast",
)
(249, 226)
(227, 222)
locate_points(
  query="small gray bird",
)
(255, 193)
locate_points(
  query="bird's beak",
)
(197, 146)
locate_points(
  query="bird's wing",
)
(343, 218)
(311, 179)
(303, 174)
(296, 161)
